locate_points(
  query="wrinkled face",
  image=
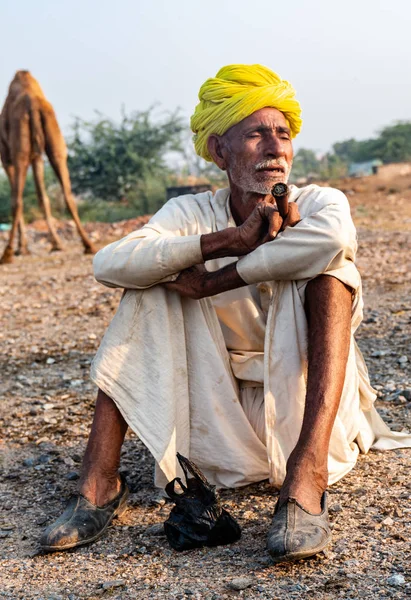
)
(258, 151)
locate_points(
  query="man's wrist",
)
(220, 244)
(223, 280)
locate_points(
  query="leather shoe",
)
(296, 533)
(83, 522)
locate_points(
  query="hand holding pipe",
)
(280, 193)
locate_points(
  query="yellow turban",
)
(235, 93)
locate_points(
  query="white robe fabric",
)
(223, 380)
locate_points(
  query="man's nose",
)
(274, 146)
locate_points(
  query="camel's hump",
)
(23, 81)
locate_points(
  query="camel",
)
(29, 129)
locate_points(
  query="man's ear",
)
(216, 149)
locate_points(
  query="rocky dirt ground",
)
(53, 315)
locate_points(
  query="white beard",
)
(245, 177)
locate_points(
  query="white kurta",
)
(195, 375)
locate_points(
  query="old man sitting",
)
(233, 342)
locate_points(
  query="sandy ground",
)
(53, 315)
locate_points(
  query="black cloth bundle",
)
(197, 519)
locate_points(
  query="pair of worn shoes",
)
(295, 533)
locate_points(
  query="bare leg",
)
(38, 173)
(99, 484)
(328, 308)
(99, 481)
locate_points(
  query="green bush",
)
(119, 162)
(105, 212)
(147, 198)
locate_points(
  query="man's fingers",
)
(274, 221)
(189, 282)
(275, 224)
(293, 216)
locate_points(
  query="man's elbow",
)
(344, 241)
(100, 269)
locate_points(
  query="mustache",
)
(273, 163)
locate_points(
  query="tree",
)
(305, 163)
(346, 150)
(110, 161)
(394, 143)
(332, 166)
(356, 151)
(195, 169)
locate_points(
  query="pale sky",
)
(349, 61)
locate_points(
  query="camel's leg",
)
(38, 173)
(59, 164)
(22, 248)
(19, 179)
(22, 245)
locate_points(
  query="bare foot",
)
(99, 489)
(305, 482)
(308, 497)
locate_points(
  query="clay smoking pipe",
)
(280, 192)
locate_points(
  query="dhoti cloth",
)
(164, 361)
